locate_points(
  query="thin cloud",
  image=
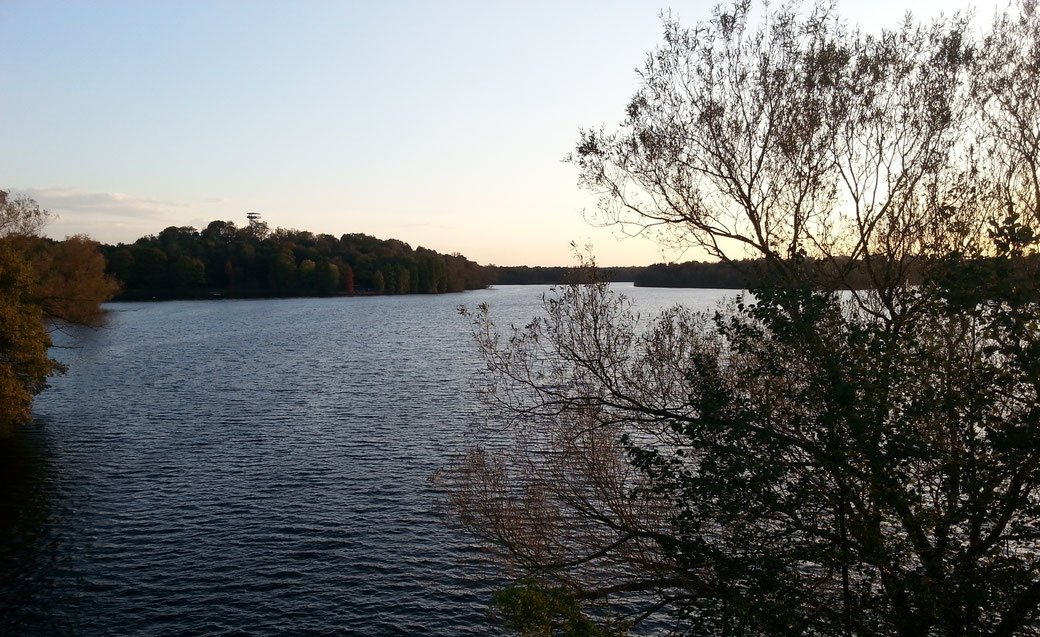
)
(111, 217)
(75, 202)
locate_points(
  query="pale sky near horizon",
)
(439, 123)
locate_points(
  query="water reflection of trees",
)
(27, 539)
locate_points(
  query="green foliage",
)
(532, 610)
(378, 283)
(223, 260)
(24, 365)
(327, 279)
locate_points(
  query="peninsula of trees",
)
(223, 260)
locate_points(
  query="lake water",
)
(254, 468)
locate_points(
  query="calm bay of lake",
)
(255, 468)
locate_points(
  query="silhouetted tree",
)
(254, 261)
(804, 461)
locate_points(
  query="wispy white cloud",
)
(77, 202)
(115, 216)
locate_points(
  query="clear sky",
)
(440, 123)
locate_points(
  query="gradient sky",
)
(440, 123)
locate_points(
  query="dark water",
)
(253, 468)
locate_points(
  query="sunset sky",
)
(440, 123)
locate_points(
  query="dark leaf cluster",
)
(223, 260)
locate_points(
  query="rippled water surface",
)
(253, 468)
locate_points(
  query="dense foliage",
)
(24, 365)
(854, 447)
(224, 260)
(553, 275)
(43, 284)
(1018, 269)
(694, 274)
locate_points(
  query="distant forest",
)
(552, 275)
(223, 260)
(693, 274)
(227, 261)
(1019, 273)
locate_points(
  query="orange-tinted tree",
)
(346, 277)
(71, 280)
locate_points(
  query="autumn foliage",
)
(24, 365)
(43, 284)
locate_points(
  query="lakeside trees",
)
(694, 274)
(553, 275)
(24, 365)
(806, 460)
(42, 283)
(225, 260)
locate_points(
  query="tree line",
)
(224, 260)
(694, 274)
(45, 284)
(555, 275)
(751, 273)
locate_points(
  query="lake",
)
(255, 467)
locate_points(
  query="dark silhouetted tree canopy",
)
(853, 448)
(253, 261)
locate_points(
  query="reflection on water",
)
(29, 542)
(252, 467)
